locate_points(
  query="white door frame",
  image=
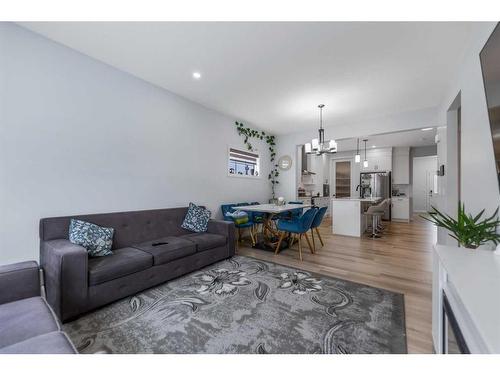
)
(429, 183)
(332, 169)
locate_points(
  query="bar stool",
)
(385, 204)
(375, 212)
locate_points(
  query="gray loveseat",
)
(149, 248)
(27, 323)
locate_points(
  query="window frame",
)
(239, 148)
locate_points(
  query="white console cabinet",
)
(470, 279)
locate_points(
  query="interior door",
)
(424, 181)
(342, 179)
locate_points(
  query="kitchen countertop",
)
(314, 196)
(372, 199)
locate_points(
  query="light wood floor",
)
(400, 261)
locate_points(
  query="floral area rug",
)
(244, 305)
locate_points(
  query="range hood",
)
(305, 165)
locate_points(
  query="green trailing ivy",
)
(248, 133)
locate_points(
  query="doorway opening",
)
(343, 179)
(424, 182)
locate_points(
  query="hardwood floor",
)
(400, 261)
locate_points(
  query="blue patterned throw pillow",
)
(97, 240)
(196, 219)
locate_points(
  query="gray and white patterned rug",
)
(244, 305)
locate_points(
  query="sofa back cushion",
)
(130, 227)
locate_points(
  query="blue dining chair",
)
(289, 215)
(316, 223)
(254, 217)
(297, 211)
(258, 217)
(228, 208)
(299, 226)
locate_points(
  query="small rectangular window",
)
(243, 163)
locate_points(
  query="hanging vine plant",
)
(248, 133)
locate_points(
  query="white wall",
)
(478, 175)
(440, 198)
(78, 136)
(402, 121)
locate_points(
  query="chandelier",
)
(319, 146)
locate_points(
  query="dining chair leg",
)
(277, 250)
(300, 246)
(251, 236)
(314, 242)
(309, 243)
(319, 236)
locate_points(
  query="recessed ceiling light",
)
(196, 75)
(426, 129)
(374, 146)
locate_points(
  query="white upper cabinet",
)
(379, 160)
(401, 166)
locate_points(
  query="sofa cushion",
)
(206, 241)
(121, 263)
(24, 319)
(49, 343)
(97, 240)
(196, 219)
(166, 249)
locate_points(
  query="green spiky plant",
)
(470, 231)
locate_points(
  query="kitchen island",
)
(347, 215)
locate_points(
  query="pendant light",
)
(318, 145)
(365, 162)
(357, 158)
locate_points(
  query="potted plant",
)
(470, 231)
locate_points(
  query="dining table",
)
(269, 235)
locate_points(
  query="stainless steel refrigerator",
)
(376, 184)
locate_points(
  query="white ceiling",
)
(411, 138)
(275, 74)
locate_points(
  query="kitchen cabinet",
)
(379, 160)
(401, 166)
(400, 209)
(309, 179)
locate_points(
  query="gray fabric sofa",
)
(149, 248)
(27, 323)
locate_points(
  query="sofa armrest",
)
(65, 271)
(19, 281)
(225, 228)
